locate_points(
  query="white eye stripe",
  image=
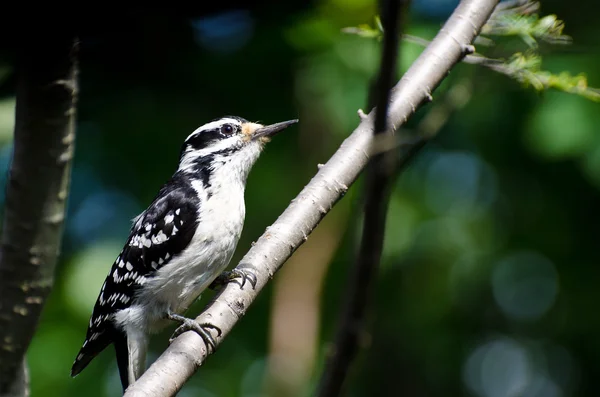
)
(214, 125)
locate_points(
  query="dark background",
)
(488, 285)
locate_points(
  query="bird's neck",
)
(222, 170)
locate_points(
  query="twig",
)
(183, 357)
(36, 194)
(525, 69)
(378, 184)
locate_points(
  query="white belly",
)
(181, 281)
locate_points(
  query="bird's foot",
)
(202, 329)
(245, 275)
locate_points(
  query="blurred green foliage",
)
(521, 20)
(490, 267)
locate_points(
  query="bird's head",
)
(230, 142)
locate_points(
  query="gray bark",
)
(185, 355)
(36, 194)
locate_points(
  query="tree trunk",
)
(36, 192)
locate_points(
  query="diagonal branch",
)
(36, 193)
(380, 172)
(185, 355)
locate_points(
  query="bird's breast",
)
(180, 282)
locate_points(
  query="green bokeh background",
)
(489, 281)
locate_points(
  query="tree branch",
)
(380, 172)
(183, 357)
(36, 194)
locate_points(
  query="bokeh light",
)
(525, 285)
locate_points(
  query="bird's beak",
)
(268, 131)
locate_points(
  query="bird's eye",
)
(227, 129)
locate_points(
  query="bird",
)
(179, 246)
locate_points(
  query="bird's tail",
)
(93, 344)
(131, 350)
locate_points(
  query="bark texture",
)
(36, 194)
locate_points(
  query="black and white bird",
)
(178, 246)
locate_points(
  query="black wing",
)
(158, 234)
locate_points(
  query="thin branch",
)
(185, 355)
(36, 194)
(380, 172)
(525, 68)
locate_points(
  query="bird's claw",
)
(202, 329)
(245, 275)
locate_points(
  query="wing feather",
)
(157, 235)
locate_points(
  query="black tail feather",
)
(90, 349)
(120, 342)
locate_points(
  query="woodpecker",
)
(178, 246)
